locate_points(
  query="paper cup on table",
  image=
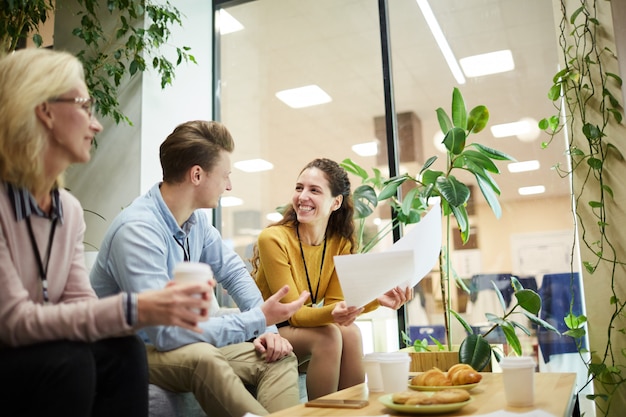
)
(372, 372)
(394, 370)
(192, 272)
(518, 375)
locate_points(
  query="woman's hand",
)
(396, 297)
(177, 304)
(344, 315)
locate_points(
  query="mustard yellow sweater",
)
(281, 263)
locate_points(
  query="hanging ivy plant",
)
(109, 55)
(585, 96)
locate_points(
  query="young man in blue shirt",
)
(163, 228)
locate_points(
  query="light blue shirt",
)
(139, 253)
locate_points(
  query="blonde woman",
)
(62, 350)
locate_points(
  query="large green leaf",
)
(391, 188)
(444, 121)
(352, 167)
(475, 351)
(407, 202)
(365, 201)
(452, 190)
(486, 189)
(481, 160)
(430, 177)
(455, 140)
(491, 153)
(540, 322)
(459, 111)
(462, 220)
(478, 118)
(529, 300)
(500, 296)
(511, 338)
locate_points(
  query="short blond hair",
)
(29, 77)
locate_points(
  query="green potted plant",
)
(429, 183)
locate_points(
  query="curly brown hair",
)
(341, 220)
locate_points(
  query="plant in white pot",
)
(462, 156)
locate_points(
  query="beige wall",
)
(532, 215)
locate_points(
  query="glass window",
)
(336, 46)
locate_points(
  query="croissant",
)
(431, 378)
(463, 374)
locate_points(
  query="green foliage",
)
(128, 49)
(20, 17)
(585, 95)
(478, 160)
(110, 55)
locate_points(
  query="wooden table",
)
(554, 393)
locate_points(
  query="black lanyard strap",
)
(43, 271)
(184, 247)
(306, 270)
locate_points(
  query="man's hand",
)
(396, 297)
(177, 304)
(277, 312)
(344, 315)
(273, 345)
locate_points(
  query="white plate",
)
(422, 409)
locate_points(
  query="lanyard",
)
(185, 248)
(43, 271)
(306, 270)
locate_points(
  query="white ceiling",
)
(335, 44)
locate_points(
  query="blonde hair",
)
(28, 78)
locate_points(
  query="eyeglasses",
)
(88, 104)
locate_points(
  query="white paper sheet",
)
(364, 277)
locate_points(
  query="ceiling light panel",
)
(504, 130)
(535, 189)
(441, 40)
(254, 165)
(524, 166)
(487, 64)
(307, 96)
(231, 201)
(366, 149)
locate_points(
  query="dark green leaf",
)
(487, 189)
(365, 201)
(475, 351)
(459, 111)
(512, 339)
(444, 121)
(482, 161)
(455, 140)
(353, 168)
(540, 322)
(491, 153)
(452, 190)
(529, 300)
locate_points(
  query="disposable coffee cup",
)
(394, 370)
(372, 372)
(185, 272)
(192, 272)
(518, 375)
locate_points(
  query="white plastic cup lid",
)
(517, 362)
(394, 357)
(193, 268)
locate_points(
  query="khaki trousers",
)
(217, 378)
